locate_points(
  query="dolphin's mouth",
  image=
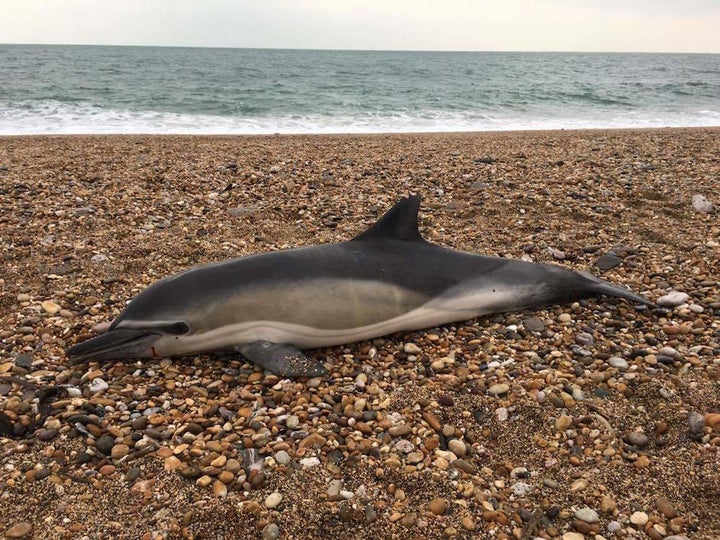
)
(116, 344)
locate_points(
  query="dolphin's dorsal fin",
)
(398, 223)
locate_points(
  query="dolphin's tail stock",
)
(598, 286)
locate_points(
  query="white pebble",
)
(618, 363)
(273, 500)
(98, 385)
(411, 348)
(673, 299)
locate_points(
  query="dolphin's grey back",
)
(382, 274)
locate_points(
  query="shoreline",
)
(373, 134)
(586, 419)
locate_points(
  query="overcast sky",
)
(485, 25)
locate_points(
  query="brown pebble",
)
(438, 506)
(19, 530)
(666, 507)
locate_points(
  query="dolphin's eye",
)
(178, 328)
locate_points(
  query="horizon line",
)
(232, 47)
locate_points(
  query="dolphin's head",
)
(126, 339)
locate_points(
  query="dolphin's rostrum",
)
(387, 279)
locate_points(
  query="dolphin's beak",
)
(116, 344)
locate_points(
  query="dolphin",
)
(269, 306)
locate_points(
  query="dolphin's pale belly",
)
(459, 303)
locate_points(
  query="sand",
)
(573, 421)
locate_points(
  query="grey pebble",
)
(696, 421)
(533, 324)
(271, 532)
(104, 443)
(584, 339)
(607, 262)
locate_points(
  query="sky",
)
(475, 25)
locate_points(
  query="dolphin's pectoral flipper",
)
(282, 359)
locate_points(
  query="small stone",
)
(673, 299)
(557, 254)
(614, 526)
(563, 422)
(438, 506)
(282, 457)
(119, 451)
(19, 530)
(666, 507)
(411, 348)
(533, 324)
(571, 535)
(696, 422)
(637, 438)
(105, 444)
(701, 204)
(584, 339)
(618, 363)
(23, 297)
(639, 518)
(501, 413)
(292, 422)
(457, 447)
(468, 523)
(309, 462)
(220, 489)
(98, 385)
(607, 505)
(588, 515)
(203, 481)
(607, 262)
(498, 389)
(273, 500)
(270, 532)
(50, 307)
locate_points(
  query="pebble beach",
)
(599, 419)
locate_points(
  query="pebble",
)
(614, 526)
(533, 324)
(50, 307)
(498, 389)
(309, 462)
(584, 339)
(607, 262)
(618, 363)
(105, 444)
(701, 204)
(411, 348)
(457, 447)
(273, 500)
(19, 530)
(696, 422)
(501, 413)
(119, 451)
(639, 518)
(282, 457)
(271, 532)
(588, 515)
(438, 506)
(637, 438)
(572, 535)
(666, 507)
(673, 299)
(98, 385)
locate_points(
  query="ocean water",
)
(102, 89)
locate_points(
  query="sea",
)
(58, 89)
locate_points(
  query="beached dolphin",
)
(388, 279)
